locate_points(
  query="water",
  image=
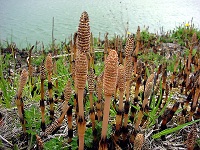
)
(28, 21)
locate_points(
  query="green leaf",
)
(147, 71)
(198, 142)
(55, 143)
(89, 139)
(74, 143)
(171, 130)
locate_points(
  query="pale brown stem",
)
(81, 132)
(194, 105)
(51, 96)
(127, 90)
(20, 108)
(105, 116)
(118, 121)
(115, 94)
(138, 120)
(92, 115)
(91, 99)
(135, 65)
(189, 58)
(145, 102)
(61, 118)
(81, 125)
(137, 48)
(137, 90)
(42, 99)
(120, 57)
(80, 102)
(196, 97)
(81, 142)
(121, 93)
(125, 120)
(99, 109)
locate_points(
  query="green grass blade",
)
(171, 130)
(147, 71)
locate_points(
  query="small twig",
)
(150, 133)
(1, 137)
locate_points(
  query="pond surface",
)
(28, 21)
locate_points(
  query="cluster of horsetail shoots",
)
(115, 82)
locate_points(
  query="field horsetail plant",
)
(122, 93)
(42, 92)
(109, 85)
(83, 45)
(19, 101)
(49, 69)
(121, 85)
(128, 65)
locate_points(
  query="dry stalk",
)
(193, 42)
(139, 119)
(106, 45)
(195, 99)
(168, 117)
(148, 90)
(197, 115)
(137, 50)
(40, 144)
(91, 64)
(147, 93)
(133, 110)
(56, 84)
(69, 119)
(174, 73)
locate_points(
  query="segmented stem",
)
(19, 101)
